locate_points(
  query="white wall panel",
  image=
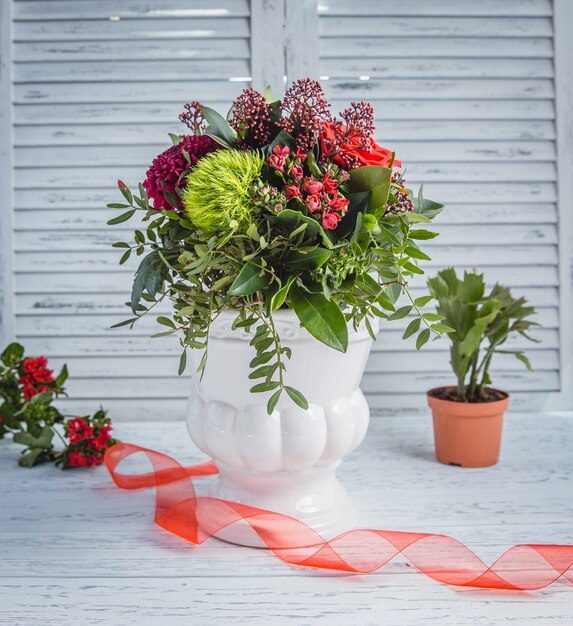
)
(464, 91)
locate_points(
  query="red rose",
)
(338, 203)
(312, 186)
(313, 203)
(292, 191)
(296, 172)
(330, 220)
(330, 184)
(377, 155)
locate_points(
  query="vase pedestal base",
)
(313, 496)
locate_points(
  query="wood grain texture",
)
(301, 28)
(77, 550)
(103, 9)
(437, 8)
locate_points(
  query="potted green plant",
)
(468, 417)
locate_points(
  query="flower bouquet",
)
(282, 235)
(279, 206)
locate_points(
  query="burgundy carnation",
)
(168, 167)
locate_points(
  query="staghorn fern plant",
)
(481, 324)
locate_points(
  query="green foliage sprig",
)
(482, 324)
(285, 260)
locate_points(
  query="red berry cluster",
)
(88, 441)
(193, 117)
(36, 377)
(252, 119)
(400, 201)
(307, 111)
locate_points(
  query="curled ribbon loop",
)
(523, 567)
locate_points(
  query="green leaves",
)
(288, 221)
(521, 357)
(422, 234)
(249, 280)
(321, 317)
(282, 139)
(373, 179)
(150, 276)
(38, 446)
(297, 397)
(279, 297)
(268, 348)
(425, 207)
(182, 363)
(413, 328)
(62, 376)
(218, 128)
(12, 354)
(121, 218)
(400, 313)
(471, 289)
(422, 338)
(307, 260)
(42, 441)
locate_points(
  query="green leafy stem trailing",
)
(281, 262)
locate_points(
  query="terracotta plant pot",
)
(465, 433)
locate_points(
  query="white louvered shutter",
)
(463, 92)
(97, 87)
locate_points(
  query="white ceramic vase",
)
(284, 462)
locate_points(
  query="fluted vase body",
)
(286, 461)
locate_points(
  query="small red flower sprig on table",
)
(28, 389)
(89, 439)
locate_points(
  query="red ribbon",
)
(521, 568)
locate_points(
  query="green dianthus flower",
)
(219, 190)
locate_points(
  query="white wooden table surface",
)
(75, 550)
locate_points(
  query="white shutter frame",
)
(267, 45)
(6, 185)
(562, 21)
(301, 39)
